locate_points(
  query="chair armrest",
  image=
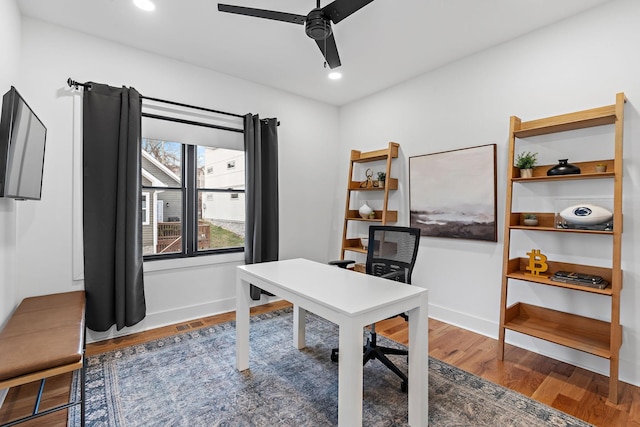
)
(342, 263)
(393, 275)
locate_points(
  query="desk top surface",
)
(344, 290)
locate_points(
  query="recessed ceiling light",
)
(145, 5)
(334, 75)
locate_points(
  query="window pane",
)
(145, 208)
(220, 168)
(161, 163)
(220, 220)
(163, 235)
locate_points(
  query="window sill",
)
(178, 263)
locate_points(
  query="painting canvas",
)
(453, 193)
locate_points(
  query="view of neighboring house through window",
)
(193, 202)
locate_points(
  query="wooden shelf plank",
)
(587, 171)
(578, 120)
(354, 215)
(546, 222)
(372, 156)
(559, 230)
(516, 269)
(391, 183)
(570, 330)
(354, 245)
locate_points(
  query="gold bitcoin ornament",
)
(537, 262)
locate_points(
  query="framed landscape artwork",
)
(453, 193)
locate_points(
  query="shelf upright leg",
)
(616, 285)
(355, 155)
(514, 125)
(386, 187)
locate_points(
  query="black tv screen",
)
(22, 142)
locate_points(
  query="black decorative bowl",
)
(563, 168)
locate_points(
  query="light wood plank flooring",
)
(573, 390)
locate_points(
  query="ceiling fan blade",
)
(331, 55)
(340, 9)
(262, 13)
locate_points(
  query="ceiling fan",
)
(317, 23)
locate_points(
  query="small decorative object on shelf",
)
(365, 242)
(563, 168)
(586, 214)
(530, 219)
(382, 176)
(526, 161)
(369, 182)
(537, 263)
(601, 167)
(365, 210)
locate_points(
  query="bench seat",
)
(44, 337)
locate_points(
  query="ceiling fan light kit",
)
(317, 26)
(317, 22)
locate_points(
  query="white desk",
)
(353, 301)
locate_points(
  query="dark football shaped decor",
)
(563, 168)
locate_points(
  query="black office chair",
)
(391, 254)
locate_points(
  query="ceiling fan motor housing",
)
(317, 25)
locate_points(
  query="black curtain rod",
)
(190, 122)
(75, 84)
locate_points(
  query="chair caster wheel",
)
(404, 386)
(334, 356)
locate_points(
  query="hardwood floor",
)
(573, 390)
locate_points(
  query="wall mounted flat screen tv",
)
(22, 142)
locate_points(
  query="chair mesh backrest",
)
(392, 249)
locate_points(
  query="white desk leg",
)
(350, 374)
(242, 324)
(418, 365)
(299, 321)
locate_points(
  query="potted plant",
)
(382, 176)
(526, 161)
(530, 219)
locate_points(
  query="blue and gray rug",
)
(190, 380)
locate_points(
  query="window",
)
(187, 212)
(145, 208)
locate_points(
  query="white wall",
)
(10, 36)
(577, 64)
(45, 248)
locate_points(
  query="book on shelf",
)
(588, 280)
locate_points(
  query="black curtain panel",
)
(261, 222)
(112, 207)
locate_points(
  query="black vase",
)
(563, 168)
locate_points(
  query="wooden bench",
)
(44, 337)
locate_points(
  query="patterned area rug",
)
(190, 380)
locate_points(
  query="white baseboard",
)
(464, 321)
(165, 318)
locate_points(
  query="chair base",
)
(372, 351)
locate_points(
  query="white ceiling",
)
(384, 43)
